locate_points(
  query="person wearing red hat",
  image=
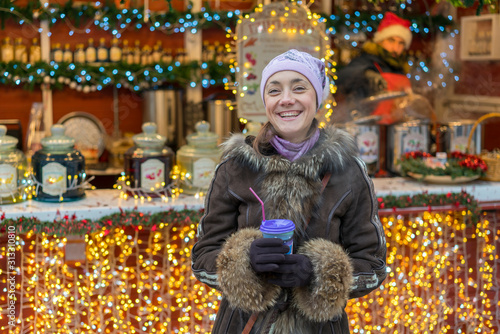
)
(381, 67)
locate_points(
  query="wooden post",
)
(48, 113)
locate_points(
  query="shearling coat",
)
(337, 229)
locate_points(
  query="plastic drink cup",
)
(279, 228)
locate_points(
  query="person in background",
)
(381, 67)
(310, 176)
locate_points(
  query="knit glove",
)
(295, 271)
(266, 254)
(375, 81)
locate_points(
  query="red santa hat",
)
(392, 25)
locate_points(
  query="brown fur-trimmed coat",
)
(344, 238)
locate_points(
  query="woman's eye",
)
(299, 88)
(272, 91)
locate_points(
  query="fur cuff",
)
(240, 285)
(326, 296)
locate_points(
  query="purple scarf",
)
(293, 151)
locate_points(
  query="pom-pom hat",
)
(302, 62)
(392, 25)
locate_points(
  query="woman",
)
(339, 241)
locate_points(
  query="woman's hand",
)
(266, 254)
(295, 271)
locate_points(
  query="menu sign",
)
(264, 35)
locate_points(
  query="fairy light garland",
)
(90, 78)
(136, 276)
(82, 19)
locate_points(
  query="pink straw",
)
(262, 203)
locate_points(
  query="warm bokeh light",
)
(135, 277)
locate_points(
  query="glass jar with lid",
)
(148, 163)
(13, 170)
(58, 169)
(197, 160)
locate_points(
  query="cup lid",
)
(149, 137)
(6, 142)
(277, 226)
(57, 140)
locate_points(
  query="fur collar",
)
(330, 154)
(292, 190)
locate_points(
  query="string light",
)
(136, 278)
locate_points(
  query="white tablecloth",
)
(102, 202)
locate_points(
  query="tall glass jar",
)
(13, 170)
(197, 160)
(148, 163)
(58, 169)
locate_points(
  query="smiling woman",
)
(310, 177)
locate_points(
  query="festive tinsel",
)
(458, 164)
(69, 225)
(430, 201)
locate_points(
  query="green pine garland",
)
(72, 226)
(135, 219)
(462, 199)
(136, 77)
(110, 17)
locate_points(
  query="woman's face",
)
(290, 104)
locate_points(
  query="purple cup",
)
(279, 228)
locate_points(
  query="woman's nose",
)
(287, 98)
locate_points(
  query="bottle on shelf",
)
(115, 53)
(67, 54)
(57, 52)
(137, 52)
(157, 53)
(211, 53)
(146, 55)
(7, 50)
(102, 51)
(91, 52)
(219, 52)
(180, 56)
(20, 53)
(205, 51)
(127, 55)
(79, 56)
(167, 56)
(35, 51)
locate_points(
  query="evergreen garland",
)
(462, 199)
(109, 17)
(458, 164)
(97, 76)
(69, 225)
